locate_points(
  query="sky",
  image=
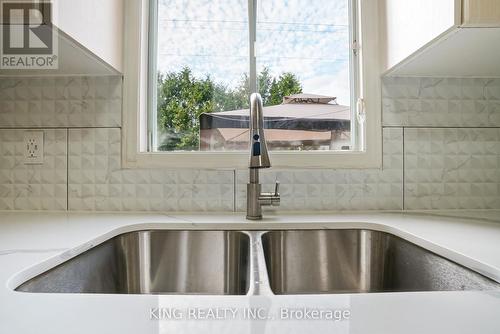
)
(309, 38)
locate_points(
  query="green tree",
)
(240, 95)
(181, 100)
(230, 99)
(265, 81)
(287, 84)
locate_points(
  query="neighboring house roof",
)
(298, 112)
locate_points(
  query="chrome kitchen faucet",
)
(259, 158)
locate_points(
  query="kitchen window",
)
(201, 59)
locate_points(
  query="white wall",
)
(96, 24)
(407, 25)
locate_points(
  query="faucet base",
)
(254, 217)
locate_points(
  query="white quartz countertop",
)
(32, 242)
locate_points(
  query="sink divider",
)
(259, 277)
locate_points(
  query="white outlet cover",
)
(33, 147)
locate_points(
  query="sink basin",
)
(352, 261)
(155, 262)
(218, 263)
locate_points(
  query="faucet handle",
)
(271, 199)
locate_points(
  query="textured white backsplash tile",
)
(444, 168)
(33, 187)
(452, 168)
(97, 182)
(368, 189)
(61, 102)
(449, 102)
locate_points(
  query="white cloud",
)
(336, 85)
(308, 38)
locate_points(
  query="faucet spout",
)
(259, 158)
(259, 155)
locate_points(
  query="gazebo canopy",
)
(306, 112)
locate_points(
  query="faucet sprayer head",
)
(259, 156)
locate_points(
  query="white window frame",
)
(134, 131)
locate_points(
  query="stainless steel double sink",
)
(256, 262)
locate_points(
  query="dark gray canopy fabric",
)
(298, 112)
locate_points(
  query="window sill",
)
(239, 160)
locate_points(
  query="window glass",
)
(303, 71)
(202, 61)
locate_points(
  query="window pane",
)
(303, 74)
(303, 63)
(202, 64)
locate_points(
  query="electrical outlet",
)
(33, 147)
